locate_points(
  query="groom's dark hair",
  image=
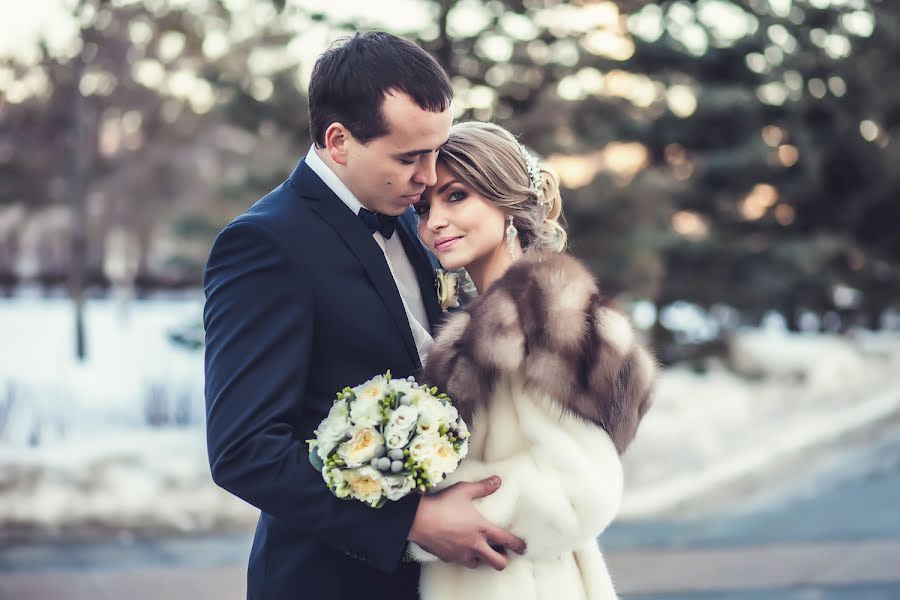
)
(350, 79)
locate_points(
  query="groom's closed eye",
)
(408, 158)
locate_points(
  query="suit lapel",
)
(360, 242)
(422, 265)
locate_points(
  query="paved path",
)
(758, 568)
(855, 497)
(222, 583)
(726, 572)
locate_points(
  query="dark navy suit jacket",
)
(300, 302)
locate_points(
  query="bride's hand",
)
(449, 526)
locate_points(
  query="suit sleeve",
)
(259, 320)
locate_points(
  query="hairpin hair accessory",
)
(533, 167)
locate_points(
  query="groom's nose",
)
(426, 174)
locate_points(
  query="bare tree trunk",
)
(81, 155)
(444, 51)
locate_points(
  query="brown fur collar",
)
(546, 320)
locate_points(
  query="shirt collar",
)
(314, 162)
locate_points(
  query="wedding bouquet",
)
(386, 438)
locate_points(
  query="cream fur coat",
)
(553, 385)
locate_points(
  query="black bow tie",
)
(383, 224)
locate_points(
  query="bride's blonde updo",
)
(489, 159)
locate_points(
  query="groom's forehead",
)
(413, 128)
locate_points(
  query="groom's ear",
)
(336, 140)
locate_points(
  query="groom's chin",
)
(396, 208)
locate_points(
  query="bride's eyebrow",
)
(446, 185)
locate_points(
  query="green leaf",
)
(315, 460)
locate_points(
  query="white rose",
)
(404, 417)
(397, 486)
(361, 447)
(401, 385)
(417, 396)
(333, 428)
(339, 409)
(336, 481)
(374, 389)
(337, 422)
(428, 424)
(326, 444)
(421, 448)
(366, 412)
(435, 477)
(444, 457)
(439, 408)
(396, 438)
(432, 414)
(436, 454)
(400, 426)
(365, 483)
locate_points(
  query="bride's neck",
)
(489, 268)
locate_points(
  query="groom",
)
(320, 285)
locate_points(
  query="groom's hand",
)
(449, 526)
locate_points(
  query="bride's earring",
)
(511, 233)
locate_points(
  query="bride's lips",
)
(444, 243)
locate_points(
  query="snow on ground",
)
(786, 393)
(118, 442)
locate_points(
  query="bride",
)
(547, 372)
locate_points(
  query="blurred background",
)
(731, 173)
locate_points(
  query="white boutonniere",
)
(447, 289)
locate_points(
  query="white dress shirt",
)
(397, 261)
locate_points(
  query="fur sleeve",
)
(558, 492)
(563, 490)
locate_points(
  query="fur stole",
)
(546, 321)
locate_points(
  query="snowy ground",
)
(786, 397)
(117, 443)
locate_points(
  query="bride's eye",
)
(420, 208)
(457, 196)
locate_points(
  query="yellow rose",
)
(365, 483)
(361, 447)
(444, 457)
